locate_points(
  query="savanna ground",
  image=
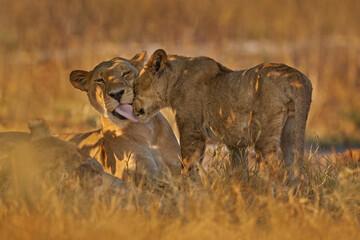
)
(41, 42)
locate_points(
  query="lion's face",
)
(150, 86)
(110, 87)
(146, 103)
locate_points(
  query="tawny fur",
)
(266, 106)
(125, 149)
(46, 160)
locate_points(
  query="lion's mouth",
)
(125, 111)
(115, 114)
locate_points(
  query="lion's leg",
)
(141, 166)
(287, 145)
(269, 143)
(192, 149)
(170, 152)
(239, 160)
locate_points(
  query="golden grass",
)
(45, 24)
(219, 205)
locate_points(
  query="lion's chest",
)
(132, 158)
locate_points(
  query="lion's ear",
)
(157, 61)
(79, 79)
(138, 60)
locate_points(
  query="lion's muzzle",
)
(117, 95)
(138, 110)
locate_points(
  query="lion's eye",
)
(126, 73)
(100, 81)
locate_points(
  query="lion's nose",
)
(117, 95)
(138, 110)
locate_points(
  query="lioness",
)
(265, 106)
(48, 161)
(123, 146)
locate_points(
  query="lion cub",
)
(125, 147)
(266, 106)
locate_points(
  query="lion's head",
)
(150, 86)
(109, 87)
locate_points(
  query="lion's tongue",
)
(126, 110)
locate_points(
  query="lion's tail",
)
(302, 92)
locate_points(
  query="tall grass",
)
(220, 205)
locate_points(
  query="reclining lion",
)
(45, 160)
(124, 146)
(266, 106)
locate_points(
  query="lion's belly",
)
(248, 129)
(236, 130)
(239, 119)
(244, 129)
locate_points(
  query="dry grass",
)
(42, 41)
(219, 205)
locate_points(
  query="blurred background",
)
(42, 41)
